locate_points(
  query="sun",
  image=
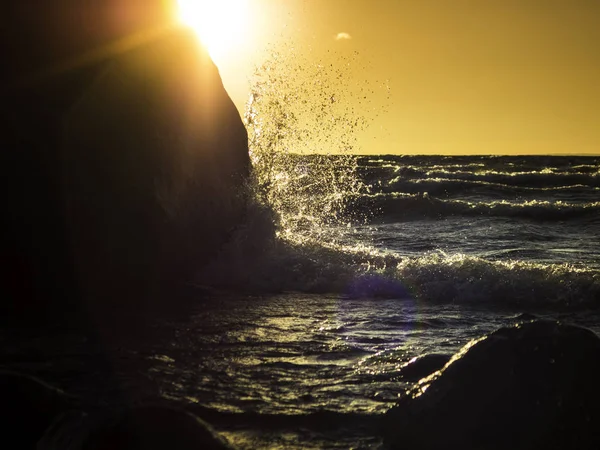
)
(220, 24)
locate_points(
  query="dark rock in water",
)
(155, 160)
(532, 386)
(124, 160)
(154, 428)
(27, 407)
(35, 415)
(423, 366)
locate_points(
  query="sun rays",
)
(221, 25)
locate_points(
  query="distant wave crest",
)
(527, 173)
(406, 207)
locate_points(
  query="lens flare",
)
(221, 25)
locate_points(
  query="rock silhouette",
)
(155, 162)
(124, 159)
(28, 407)
(532, 386)
(154, 427)
(35, 415)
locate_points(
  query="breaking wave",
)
(311, 195)
(405, 207)
(435, 277)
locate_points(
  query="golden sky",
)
(465, 77)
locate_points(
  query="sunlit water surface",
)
(285, 371)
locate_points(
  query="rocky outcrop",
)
(155, 162)
(154, 427)
(124, 158)
(28, 408)
(35, 415)
(532, 386)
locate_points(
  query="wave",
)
(402, 207)
(544, 178)
(388, 175)
(363, 272)
(299, 243)
(448, 186)
(391, 174)
(489, 162)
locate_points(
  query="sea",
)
(345, 269)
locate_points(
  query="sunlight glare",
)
(220, 24)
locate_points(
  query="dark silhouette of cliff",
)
(123, 157)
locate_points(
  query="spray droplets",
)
(302, 106)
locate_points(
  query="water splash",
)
(302, 106)
(304, 118)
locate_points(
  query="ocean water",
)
(345, 269)
(412, 255)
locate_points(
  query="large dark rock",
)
(532, 386)
(35, 415)
(124, 159)
(28, 406)
(154, 427)
(155, 162)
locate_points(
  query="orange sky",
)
(478, 76)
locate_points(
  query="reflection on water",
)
(330, 363)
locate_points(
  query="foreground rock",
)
(35, 415)
(145, 427)
(28, 406)
(532, 386)
(123, 159)
(154, 428)
(156, 158)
